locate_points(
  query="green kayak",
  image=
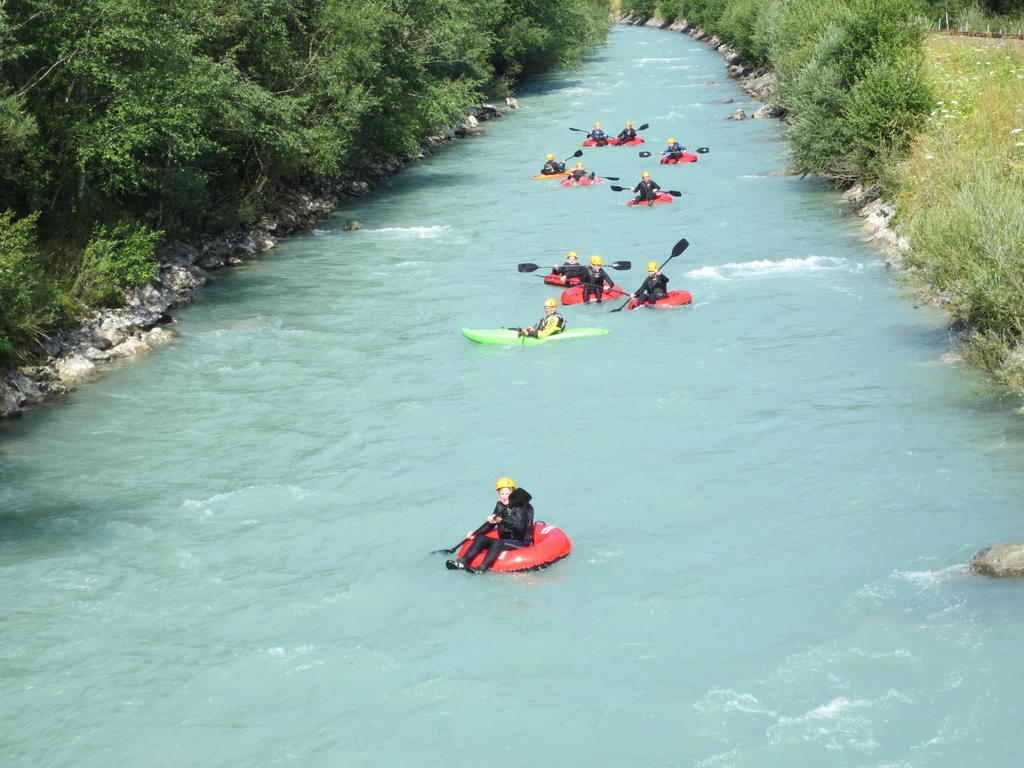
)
(505, 336)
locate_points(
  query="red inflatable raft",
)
(686, 158)
(663, 197)
(575, 295)
(674, 299)
(614, 142)
(550, 544)
(586, 180)
(556, 279)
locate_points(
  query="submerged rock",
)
(1000, 560)
(351, 226)
(739, 114)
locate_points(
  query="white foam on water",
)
(658, 59)
(767, 267)
(419, 232)
(928, 579)
(725, 700)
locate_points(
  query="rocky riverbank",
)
(71, 356)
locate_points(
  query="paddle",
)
(529, 267)
(701, 150)
(673, 192)
(518, 496)
(678, 248)
(577, 153)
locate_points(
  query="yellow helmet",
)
(505, 482)
(596, 261)
(652, 266)
(572, 255)
(629, 124)
(550, 303)
(579, 164)
(550, 157)
(646, 174)
(671, 141)
(597, 125)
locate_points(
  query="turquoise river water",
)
(220, 555)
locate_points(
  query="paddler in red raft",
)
(571, 269)
(579, 173)
(513, 519)
(627, 134)
(674, 150)
(549, 325)
(599, 137)
(653, 287)
(594, 280)
(552, 167)
(647, 189)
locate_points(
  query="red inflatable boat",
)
(575, 295)
(555, 279)
(586, 180)
(663, 197)
(674, 299)
(550, 544)
(686, 158)
(614, 142)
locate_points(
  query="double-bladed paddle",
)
(678, 248)
(529, 267)
(673, 192)
(700, 150)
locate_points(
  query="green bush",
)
(113, 261)
(644, 9)
(26, 294)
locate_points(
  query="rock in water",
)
(1000, 560)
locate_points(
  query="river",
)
(220, 555)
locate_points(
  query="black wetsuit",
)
(569, 271)
(552, 168)
(594, 279)
(652, 289)
(628, 134)
(515, 531)
(579, 173)
(647, 190)
(543, 328)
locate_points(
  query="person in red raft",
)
(653, 287)
(627, 134)
(595, 280)
(647, 189)
(513, 519)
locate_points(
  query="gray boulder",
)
(1000, 560)
(739, 114)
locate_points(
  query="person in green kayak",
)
(552, 167)
(654, 286)
(647, 189)
(571, 269)
(512, 518)
(549, 325)
(595, 279)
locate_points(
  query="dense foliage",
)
(183, 116)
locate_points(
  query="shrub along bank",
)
(936, 122)
(124, 121)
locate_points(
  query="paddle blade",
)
(673, 192)
(621, 264)
(679, 247)
(579, 153)
(644, 127)
(645, 154)
(617, 189)
(528, 267)
(576, 129)
(703, 150)
(611, 178)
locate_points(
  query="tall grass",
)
(961, 198)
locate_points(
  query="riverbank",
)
(72, 356)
